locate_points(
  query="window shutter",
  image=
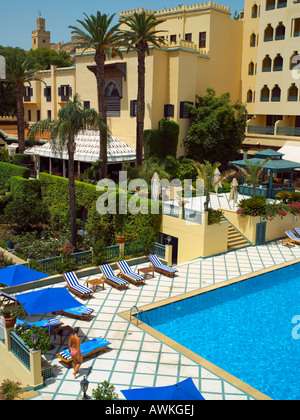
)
(133, 105)
(184, 113)
(59, 91)
(31, 92)
(169, 110)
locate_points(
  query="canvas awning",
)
(291, 150)
(88, 149)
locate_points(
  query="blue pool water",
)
(247, 329)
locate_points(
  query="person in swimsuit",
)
(74, 349)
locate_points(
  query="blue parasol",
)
(19, 274)
(184, 390)
(47, 300)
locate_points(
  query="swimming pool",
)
(245, 329)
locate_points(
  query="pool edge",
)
(254, 393)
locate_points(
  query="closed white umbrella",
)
(155, 187)
(233, 196)
(217, 182)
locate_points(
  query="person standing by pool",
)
(74, 349)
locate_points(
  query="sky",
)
(18, 17)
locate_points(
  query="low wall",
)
(275, 229)
(195, 240)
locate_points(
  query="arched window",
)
(293, 93)
(249, 96)
(278, 63)
(253, 40)
(267, 64)
(280, 32)
(276, 94)
(265, 94)
(268, 33)
(113, 100)
(254, 11)
(251, 68)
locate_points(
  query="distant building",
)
(40, 37)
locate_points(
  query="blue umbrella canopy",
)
(19, 274)
(47, 300)
(184, 390)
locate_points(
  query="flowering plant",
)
(66, 249)
(10, 390)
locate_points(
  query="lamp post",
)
(34, 339)
(84, 384)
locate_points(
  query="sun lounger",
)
(54, 322)
(127, 273)
(80, 312)
(157, 265)
(110, 278)
(297, 230)
(74, 286)
(292, 239)
(87, 348)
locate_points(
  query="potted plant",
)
(120, 237)
(11, 313)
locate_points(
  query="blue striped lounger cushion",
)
(86, 348)
(73, 282)
(127, 270)
(79, 310)
(157, 263)
(109, 275)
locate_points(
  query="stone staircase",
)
(235, 239)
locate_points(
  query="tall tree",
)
(18, 73)
(72, 119)
(217, 128)
(142, 32)
(97, 33)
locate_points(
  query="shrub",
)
(25, 333)
(252, 207)
(4, 261)
(10, 390)
(284, 196)
(7, 170)
(214, 216)
(105, 391)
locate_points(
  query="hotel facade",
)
(255, 58)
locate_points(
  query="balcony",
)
(261, 129)
(288, 131)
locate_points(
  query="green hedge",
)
(20, 186)
(7, 170)
(21, 158)
(162, 142)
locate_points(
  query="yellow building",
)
(203, 49)
(254, 58)
(270, 77)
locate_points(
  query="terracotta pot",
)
(120, 239)
(10, 322)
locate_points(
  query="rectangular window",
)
(65, 91)
(173, 38)
(29, 115)
(28, 94)
(47, 93)
(49, 114)
(86, 104)
(38, 115)
(202, 39)
(188, 37)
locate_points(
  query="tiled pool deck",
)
(136, 358)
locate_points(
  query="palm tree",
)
(206, 171)
(252, 171)
(142, 31)
(98, 34)
(72, 119)
(18, 73)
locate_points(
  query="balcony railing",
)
(288, 131)
(261, 129)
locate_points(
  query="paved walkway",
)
(136, 358)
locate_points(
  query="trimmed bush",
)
(7, 170)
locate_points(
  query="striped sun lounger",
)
(74, 286)
(79, 312)
(54, 322)
(127, 273)
(157, 265)
(111, 278)
(297, 230)
(87, 348)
